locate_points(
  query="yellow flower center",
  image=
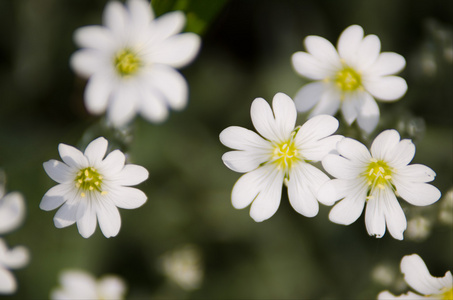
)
(127, 62)
(89, 180)
(348, 79)
(285, 153)
(378, 174)
(447, 295)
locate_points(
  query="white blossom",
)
(10, 259)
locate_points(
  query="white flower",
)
(76, 284)
(10, 259)
(184, 267)
(350, 78)
(12, 211)
(376, 179)
(418, 277)
(281, 154)
(131, 61)
(91, 188)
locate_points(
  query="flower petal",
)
(56, 196)
(328, 104)
(374, 217)
(12, 211)
(177, 51)
(131, 175)
(368, 117)
(112, 164)
(263, 120)
(416, 193)
(95, 37)
(86, 217)
(8, 283)
(394, 215)
(123, 105)
(95, 151)
(341, 167)
(317, 151)
(316, 129)
(309, 95)
(368, 51)
(348, 210)
(418, 277)
(58, 171)
(97, 92)
(285, 114)
(334, 190)
(354, 151)
(72, 157)
(166, 25)
(109, 218)
(267, 201)
(171, 84)
(86, 62)
(140, 12)
(115, 17)
(322, 50)
(66, 215)
(243, 139)
(388, 63)
(386, 88)
(349, 43)
(308, 66)
(385, 295)
(416, 173)
(127, 197)
(402, 154)
(384, 144)
(244, 161)
(152, 106)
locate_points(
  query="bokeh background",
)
(245, 54)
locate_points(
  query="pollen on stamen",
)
(104, 193)
(388, 177)
(381, 186)
(83, 195)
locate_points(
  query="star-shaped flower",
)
(351, 78)
(282, 154)
(131, 61)
(376, 179)
(91, 188)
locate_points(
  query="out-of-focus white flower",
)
(351, 78)
(418, 277)
(77, 284)
(376, 179)
(446, 208)
(10, 259)
(280, 155)
(418, 228)
(131, 61)
(383, 274)
(184, 267)
(91, 188)
(12, 210)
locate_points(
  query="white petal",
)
(416, 193)
(111, 287)
(418, 277)
(86, 217)
(72, 156)
(267, 202)
(140, 13)
(368, 117)
(349, 43)
(12, 211)
(112, 164)
(152, 106)
(171, 84)
(58, 171)
(177, 51)
(95, 151)
(97, 92)
(328, 104)
(243, 139)
(322, 50)
(394, 215)
(263, 120)
(316, 129)
(318, 150)
(8, 283)
(127, 197)
(168, 24)
(334, 190)
(388, 63)
(415, 173)
(244, 161)
(96, 37)
(304, 182)
(348, 210)
(109, 218)
(349, 108)
(123, 106)
(374, 217)
(131, 175)
(56, 196)
(341, 167)
(354, 151)
(368, 51)
(66, 215)
(115, 17)
(308, 66)
(79, 283)
(386, 88)
(402, 154)
(86, 62)
(285, 114)
(309, 95)
(385, 295)
(15, 258)
(384, 144)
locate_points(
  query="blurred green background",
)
(245, 54)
